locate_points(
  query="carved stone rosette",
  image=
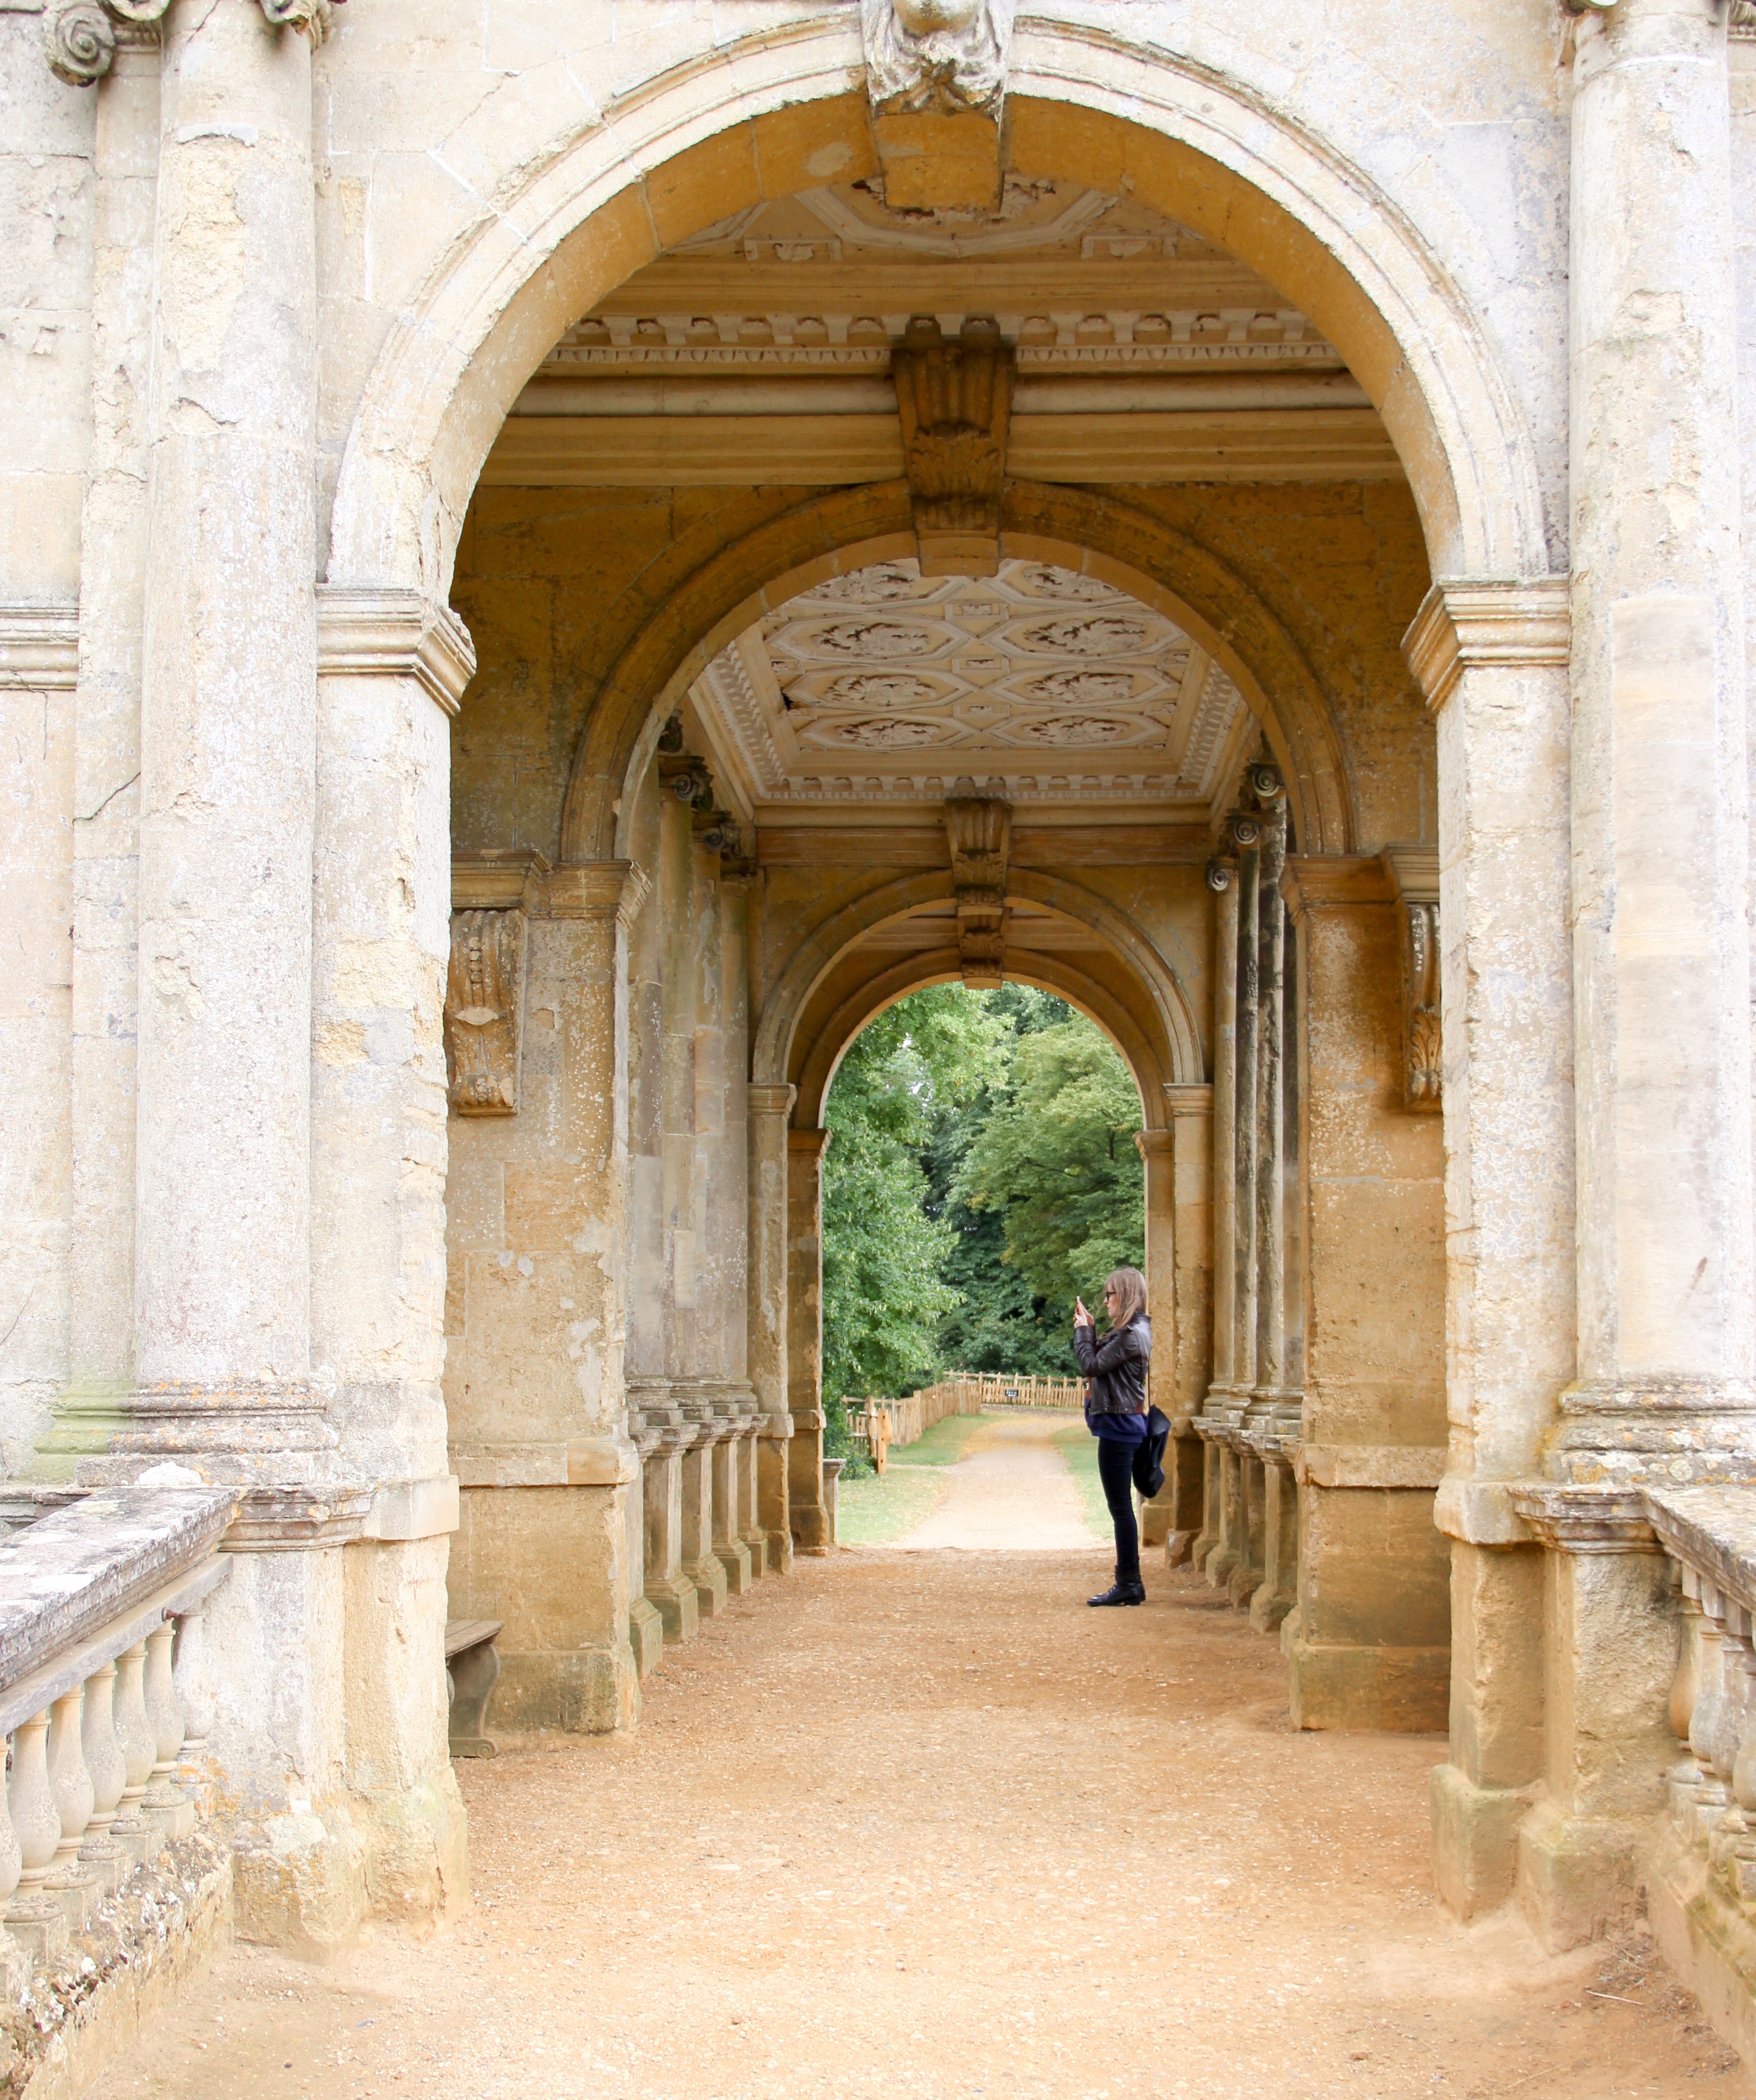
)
(79, 36)
(484, 1012)
(945, 58)
(955, 400)
(978, 828)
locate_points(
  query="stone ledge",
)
(144, 1945)
(1370, 1466)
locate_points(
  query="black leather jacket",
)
(1116, 1365)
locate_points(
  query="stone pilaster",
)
(1491, 660)
(769, 1106)
(804, 1336)
(1222, 880)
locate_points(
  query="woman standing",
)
(1116, 1414)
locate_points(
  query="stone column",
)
(804, 1336)
(669, 1588)
(540, 1436)
(732, 1201)
(107, 724)
(1227, 1409)
(391, 669)
(1222, 881)
(769, 1107)
(1667, 1376)
(1491, 659)
(1666, 1310)
(1154, 1147)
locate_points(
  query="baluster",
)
(74, 1886)
(137, 1833)
(200, 1707)
(1684, 1777)
(15, 1962)
(1711, 1794)
(165, 1800)
(34, 1919)
(109, 1775)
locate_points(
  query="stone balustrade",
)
(104, 1699)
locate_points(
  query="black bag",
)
(1149, 1456)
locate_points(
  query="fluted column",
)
(770, 1106)
(1222, 881)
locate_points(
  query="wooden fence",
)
(874, 1425)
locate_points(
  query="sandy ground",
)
(1010, 1492)
(920, 1823)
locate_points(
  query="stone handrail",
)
(102, 1694)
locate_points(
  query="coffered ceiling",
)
(760, 353)
(1039, 684)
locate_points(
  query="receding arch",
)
(1159, 1029)
(818, 1059)
(772, 113)
(1078, 528)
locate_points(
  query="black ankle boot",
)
(1121, 1593)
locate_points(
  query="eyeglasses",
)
(1109, 1294)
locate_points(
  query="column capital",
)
(771, 1100)
(80, 36)
(596, 889)
(1333, 882)
(1463, 624)
(1153, 1144)
(365, 632)
(806, 1144)
(1189, 1097)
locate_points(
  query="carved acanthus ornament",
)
(955, 400)
(945, 58)
(978, 829)
(80, 36)
(484, 1012)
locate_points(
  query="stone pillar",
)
(701, 1564)
(536, 1381)
(804, 1336)
(1154, 1147)
(1667, 1313)
(669, 1588)
(646, 1625)
(114, 551)
(730, 1201)
(392, 670)
(1222, 881)
(729, 1549)
(1666, 1310)
(1372, 1646)
(769, 1108)
(1491, 659)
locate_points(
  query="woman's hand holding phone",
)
(1081, 1317)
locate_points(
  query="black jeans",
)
(1115, 1469)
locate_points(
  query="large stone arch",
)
(767, 115)
(1144, 1009)
(846, 529)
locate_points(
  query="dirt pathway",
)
(921, 1825)
(1011, 1492)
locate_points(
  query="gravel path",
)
(920, 1824)
(1010, 1492)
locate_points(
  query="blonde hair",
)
(1130, 1289)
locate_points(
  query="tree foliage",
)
(982, 1170)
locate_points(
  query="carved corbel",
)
(955, 400)
(978, 829)
(1414, 872)
(936, 76)
(79, 37)
(484, 1012)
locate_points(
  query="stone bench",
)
(472, 1671)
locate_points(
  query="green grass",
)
(1079, 1447)
(877, 1509)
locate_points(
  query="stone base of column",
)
(773, 1492)
(402, 1789)
(551, 1562)
(1206, 1541)
(299, 1883)
(677, 1601)
(1174, 1515)
(1707, 1936)
(1246, 1577)
(1222, 1562)
(250, 1434)
(1278, 1593)
(734, 1562)
(755, 1546)
(646, 1636)
(708, 1575)
(1404, 1690)
(1475, 1840)
(1578, 1877)
(808, 1517)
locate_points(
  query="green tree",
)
(1056, 1161)
(884, 1288)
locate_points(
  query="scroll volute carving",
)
(484, 1012)
(1414, 872)
(978, 828)
(955, 400)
